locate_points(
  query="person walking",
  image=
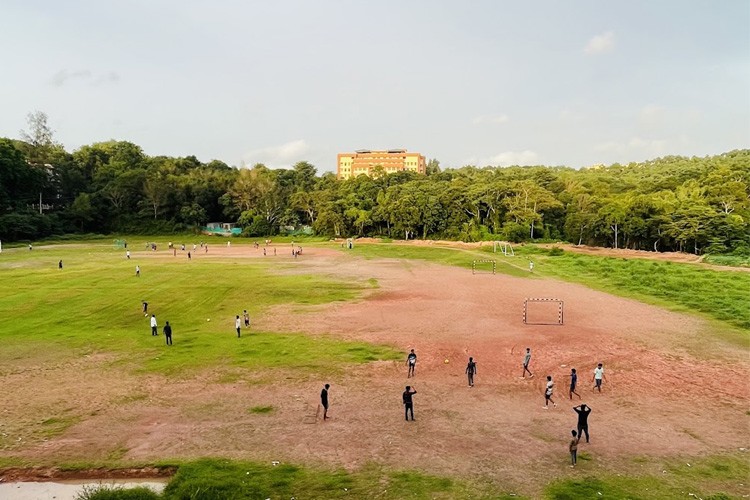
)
(168, 332)
(137, 271)
(548, 393)
(411, 362)
(471, 370)
(573, 448)
(408, 402)
(598, 377)
(573, 383)
(526, 361)
(237, 325)
(324, 400)
(154, 331)
(246, 317)
(583, 420)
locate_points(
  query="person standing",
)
(583, 420)
(573, 383)
(411, 362)
(471, 370)
(573, 448)
(408, 402)
(548, 393)
(526, 361)
(137, 271)
(145, 308)
(154, 331)
(127, 254)
(246, 316)
(168, 332)
(324, 400)
(237, 325)
(598, 377)
(189, 256)
(59, 265)
(531, 267)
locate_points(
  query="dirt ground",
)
(671, 389)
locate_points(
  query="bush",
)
(556, 251)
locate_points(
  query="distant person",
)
(237, 325)
(408, 402)
(168, 332)
(411, 362)
(154, 332)
(229, 244)
(182, 247)
(583, 420)
(137, 271)
(127, 254)
(59, 265)
(189, 256)
(246, 316)
(531, 267)
(264, 251)
(174, 252)
(573, 448)
(145, 308)
(324, 400)
(206, 247)
(274, 251)
(598, 377)
(573, 383)
(194, 247)
(548, 393)
(471, 370)
(30, 247)
(526, 361)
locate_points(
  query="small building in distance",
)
(362, 161)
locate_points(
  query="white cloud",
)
(490, 119)
(278, 156)
(64, 76)
(601, 43)
(506, 159)
(61, 77)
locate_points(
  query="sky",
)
(486, 82)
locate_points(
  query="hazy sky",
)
(467, 82)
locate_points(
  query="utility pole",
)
(40, 203)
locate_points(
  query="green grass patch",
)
(262, 409)
(713, 477)
(221, 479)
(729, 260)
(94, 305)
(104, 492)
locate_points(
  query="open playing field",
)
(84, 382)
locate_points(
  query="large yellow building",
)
(392, 160)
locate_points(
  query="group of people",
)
(581, 410)
(167, 329)
(238, 323)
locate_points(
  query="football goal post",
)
(483, 267)
(504, 247)
(538, 311)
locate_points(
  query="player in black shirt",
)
(471, 369)
(583, 420)
(408, 403)
(324, 400)
(168, 332)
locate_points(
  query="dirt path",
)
(671, 388)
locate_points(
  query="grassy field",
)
(94, 305)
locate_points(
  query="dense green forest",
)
(668, 204)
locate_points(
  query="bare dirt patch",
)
(671, 387)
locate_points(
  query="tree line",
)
(672, 203)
